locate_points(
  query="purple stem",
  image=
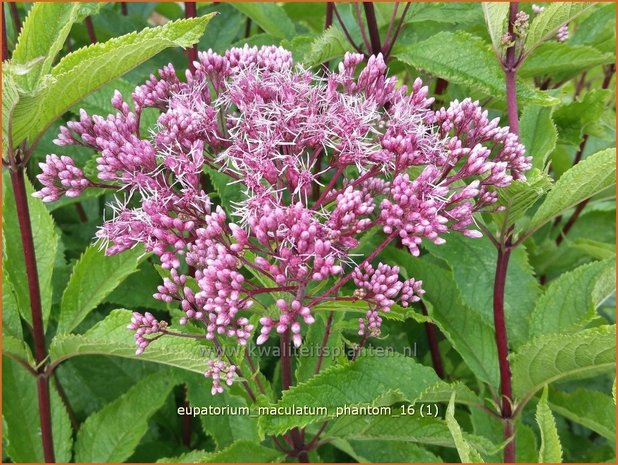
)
(124, 8)
(38, 332)
(372, 25)
(90, 28)
(15, 16)
(434, 348)
(389, 47)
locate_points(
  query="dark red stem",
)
(327, 330)
(432, 339)
(510, 71)
(388, 47)
(569, 224)
(15, 16)
(5, 47)
(92, 36)
(38, 332)
(191, 12)
(247, 28)
(502, 344)
(124, 9)
(286, 382)
(186, 419)
(328, 22)
(372, 25)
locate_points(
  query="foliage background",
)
(108, 405)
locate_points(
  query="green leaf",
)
(45, 245)
(545, 25)
(595, 249)
(391, 451)
(468, 332)
(396, 428)
(20, 410)
(477, 257)
(589, 177)
(83, 71)
(307, 363)
(467, 60)
(94, 277)
(538, 134)
(496, 15)
(554, 358)
(11, 321)
(592, 409)
(331, 44)
(225, 429)
(269, 16)
(244, 452)
(519, 197)
(194, 456)
(10, 98)
(563, 61)
(551, 450)
(571, 300)
(111, 337)
(101, 437)
(582, 117)
(229, 192)
(467, 453)
(17, 349)
(42, 36)
(357, 383)
(598, 29)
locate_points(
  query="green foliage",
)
(464, 59)
(592, 409)
(45, 246)
(111, 337)
(553, 358)
(582, 116)
(551, 450)
(496, 16)
(20, 410)
(571, 300)
(94, 276)
(538, 133)
(545, 25)
(101, 439)
(589, 177)
(83, 71)
(467, 453)
(269, 16)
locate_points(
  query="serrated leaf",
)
(329, 45)
(83, 71)
(225, 429)
(111, 337)
(269, 16)
(17, 349)
(467, 60)
(571, 300)
(20, 410)
(538, 134)
(94, 277)
(10, 98)
(42, 36)
(519, 197)
(45, 245)
(11, 321)
(563, 61)
(391, 429)
(581, 117)
(546, 23)
(592, 409)
(553, 358)
(377, 451)
(469, 257)
(194, 456)
(468, 332)
(357, 383)
(467, 453)
(496, 15)
(244, 452)
(550, 450)
(589, 177)
(100, 439)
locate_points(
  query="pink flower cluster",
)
(320, 161)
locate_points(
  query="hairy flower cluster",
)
(314, 162)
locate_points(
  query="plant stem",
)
(124, 8)
(5, 47)
(506, 391)
(15, 16)
(434, 348)
(510, 71)
(186, 419)
(372, 25)
(38, 332)
(286, 383)
(388, 47)
(191, 12)
(90, 28)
